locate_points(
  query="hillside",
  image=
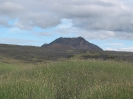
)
(78, 43)
(39, 54)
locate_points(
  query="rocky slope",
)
(72, 43)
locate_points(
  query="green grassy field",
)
(67, 79)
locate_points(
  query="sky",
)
(106, 23)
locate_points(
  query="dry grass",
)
(67, 79)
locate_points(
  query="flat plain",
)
(71, 75)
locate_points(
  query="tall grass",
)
(67, 79)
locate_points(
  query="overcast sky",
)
(106, 23)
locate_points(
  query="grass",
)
(67, 79)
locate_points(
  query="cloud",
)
(114, 44)
(91, 18)
(26, 18)
(66, 27)
(11, 10)
(124, 35)
(20, 41)
(98, 35)
(41, 34)
(102, 35)
(14, 40)
(37, 20)
(4, 23)
(95, 15)
(128, 49)
(118, 46)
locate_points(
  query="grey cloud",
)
(41, 34)
(124, 36)
(98, 34)
(94, 34)
(127, 49)
(37, 20)
(27, 19)
(106, 35)
(123, 48)
(100, 15)
(14, 40)
(11, 10)
(94, 15)
(20, 41)
(115, 44)
(105, 20)
(4, 23)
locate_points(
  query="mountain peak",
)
(75, 43)
(80, 37)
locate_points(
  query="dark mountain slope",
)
(40, 54)
(73, 43)
(59, 46)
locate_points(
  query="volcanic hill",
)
(78, 43)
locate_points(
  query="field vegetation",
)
(28, 72)
(66, 79)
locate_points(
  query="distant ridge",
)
(78, 43)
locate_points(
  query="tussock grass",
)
(67, 79)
